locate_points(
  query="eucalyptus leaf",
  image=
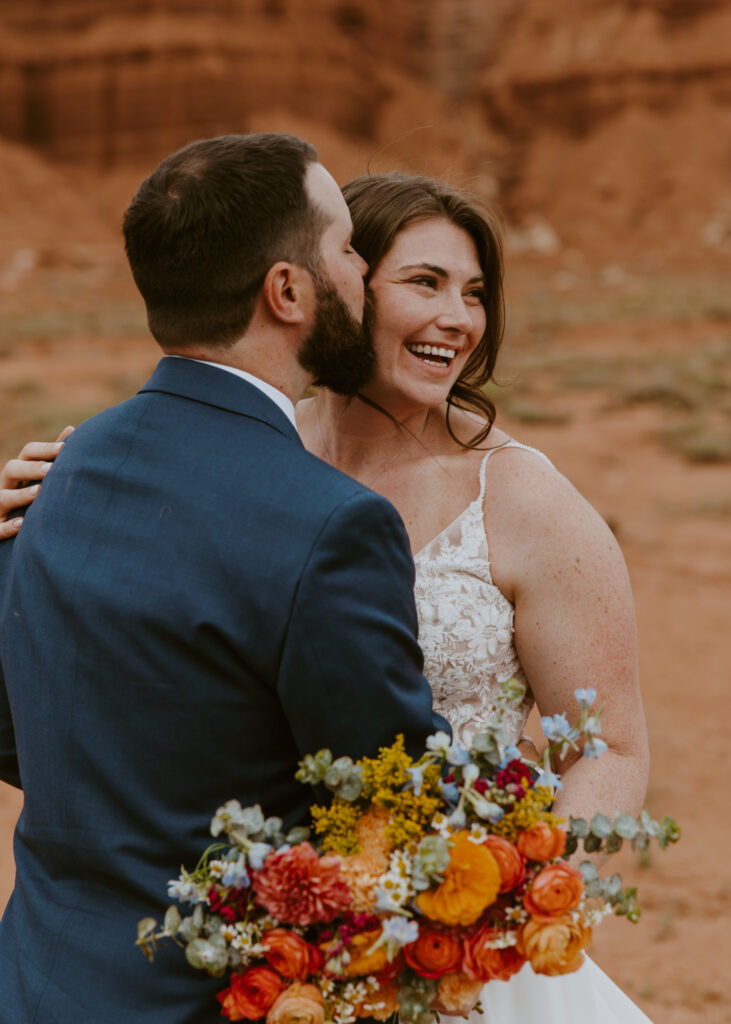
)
(592, 843)
(272, 826)
(189, 930)
(334, 776)
(578, 827)
(601, 826)
(594, 888)
(613, 843)
(172, 920)
(252, 819)
(669, 831)
(298, 834)
(613, 885)
(146, 927)
(351, 788)
(625, 826)
(588, 870)
(323, 759)
(206, 955)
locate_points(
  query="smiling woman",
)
(516, 575)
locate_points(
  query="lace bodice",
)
(466, 622)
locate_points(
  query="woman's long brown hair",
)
(382, 205)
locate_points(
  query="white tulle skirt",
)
(587, 996)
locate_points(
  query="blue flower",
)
(417, 777)
(556, 727)
(458, 755)
(449, 791)
(547, 778)
(594, 747)
(487, 810)
(236, 874)
(257, 853)
(510, 753)
(585, 696)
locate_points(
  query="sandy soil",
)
(671, 518)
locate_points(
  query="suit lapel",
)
(201, 382)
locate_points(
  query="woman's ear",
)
(287, 292)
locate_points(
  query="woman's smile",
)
(439, 356)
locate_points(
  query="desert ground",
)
(623, 377)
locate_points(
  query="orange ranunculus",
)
(290, 955)
(382, 1004)
(361, 961)
(471, 883)
(556, 889)
(509, 861)
(299, 1004)
(434, 953)
(541, 842)
(484, 962)
(251, 995)
(458, 994)
(554, 947)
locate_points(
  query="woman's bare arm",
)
(559, 563)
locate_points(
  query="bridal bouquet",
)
(424, 880)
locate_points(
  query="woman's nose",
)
(455, 314)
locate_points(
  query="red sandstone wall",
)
(608, 119)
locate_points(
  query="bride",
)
(516, 575)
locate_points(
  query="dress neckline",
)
(510, 443)
(462, 514)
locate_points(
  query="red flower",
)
(514, 778)
(290, 955)
(434, 953)
(298, 887)
(251, 995)
(483, 962)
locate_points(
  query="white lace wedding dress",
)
(466, 633)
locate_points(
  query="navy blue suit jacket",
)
(192, 604)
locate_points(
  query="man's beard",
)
(338, 351)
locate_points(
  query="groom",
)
(195, 602)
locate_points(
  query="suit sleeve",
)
(350, 675)
(9, 771)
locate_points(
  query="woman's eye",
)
(478, 295)
(430, 282)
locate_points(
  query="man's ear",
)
(287, 292)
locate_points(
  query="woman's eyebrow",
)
(439, 271)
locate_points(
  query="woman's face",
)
(428, 296)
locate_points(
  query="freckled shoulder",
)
(535, 517)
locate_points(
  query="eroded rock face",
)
(607, 120)
(106, 82)
(618, 117)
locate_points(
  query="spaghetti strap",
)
(508, 444)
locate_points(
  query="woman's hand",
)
(20, 480)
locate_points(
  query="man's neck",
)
(283, 374)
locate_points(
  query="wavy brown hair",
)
(382, 205)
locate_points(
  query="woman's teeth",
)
(440, 354)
